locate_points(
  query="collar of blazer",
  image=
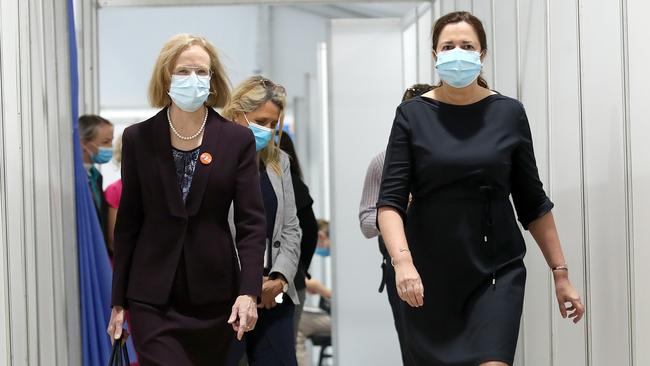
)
(167, 167)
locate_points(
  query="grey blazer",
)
(286, 233)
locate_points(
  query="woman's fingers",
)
(579, 310)
(414, 298)
(243, 321)
(233, 314)
(572, 309)
(419, 293)
(409, 285)
(411, 292)
(563, 309)
(118, 329)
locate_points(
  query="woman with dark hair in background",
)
(368, 222)
(308, 223)
(461, 150)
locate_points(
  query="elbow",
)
(369, 231)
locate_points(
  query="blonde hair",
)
(162, 72)
(117, 150)
(250, 95)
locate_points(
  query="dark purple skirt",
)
(181, 335)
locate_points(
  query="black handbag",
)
(119, 354)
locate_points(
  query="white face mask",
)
(189, 92)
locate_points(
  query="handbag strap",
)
(114, 353)
(125, 354)
(119, 354)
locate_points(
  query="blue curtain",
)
(94, 265)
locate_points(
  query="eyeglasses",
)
(201, 71)
(268, 84)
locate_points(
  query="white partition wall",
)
(365, 88)
(39, 301)
(638, 135)
(577, 67)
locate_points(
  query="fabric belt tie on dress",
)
(487, 192)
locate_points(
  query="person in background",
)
(368, 222)
(112, 195)
(258, 104)
(462, 150)
(315, 321)
(96, 134)
(188, 286)
(308, 224)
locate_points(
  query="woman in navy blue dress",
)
(462, 150)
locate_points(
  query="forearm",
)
(545, 234)
(391, 226)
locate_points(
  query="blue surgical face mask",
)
(323, 252)
(459, 68)
(263, 135)
(103, 156)
(189, 92)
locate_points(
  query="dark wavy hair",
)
(416, 90)
(457, 17)
(286, 145)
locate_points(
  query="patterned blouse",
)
(185, 162)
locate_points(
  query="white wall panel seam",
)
(4, 244)
(585, 210)
(493, 46)
(69, 325)
(21, 228)
(417, 44)
(629, 209)
(28, 180)
(518, 97)
(549, 177)
(45, 249)
(518, 46)
(35, 93)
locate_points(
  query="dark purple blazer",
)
(154, 225)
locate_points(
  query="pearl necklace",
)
(186, 138)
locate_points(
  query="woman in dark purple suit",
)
(176, 269)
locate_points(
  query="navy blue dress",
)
(462, 164)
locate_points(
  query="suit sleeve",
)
(249, 221)
(129, 220)
(531, 202)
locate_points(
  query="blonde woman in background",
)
(258, 104)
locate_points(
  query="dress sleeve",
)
(396, 178)
(531, 202)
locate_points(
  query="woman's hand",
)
(270, 290)
(115, 324)
(244, 315)
(566, 294)
(316, 287)
(409, 283)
